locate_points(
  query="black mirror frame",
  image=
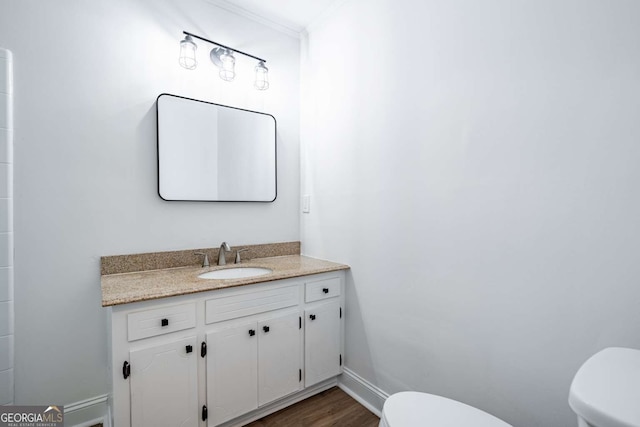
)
(275, 142)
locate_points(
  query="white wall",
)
(6, 227)
(86, 76)
(476, 163)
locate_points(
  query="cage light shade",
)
(188, 53)
(262, 77)
(227, 71)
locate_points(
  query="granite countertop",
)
(131, 287)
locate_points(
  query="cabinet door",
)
(279, 357)
(322, 342)
(232, 375)
(164, 385)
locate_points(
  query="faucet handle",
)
(205, 262)
(238, 260)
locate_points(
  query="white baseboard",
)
(88, 412)
(365, 393)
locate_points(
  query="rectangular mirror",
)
(215, 153)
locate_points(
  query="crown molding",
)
(285, 28)
(326, 14)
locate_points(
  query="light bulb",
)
(227, 70)
(262, 77)
(188, 53)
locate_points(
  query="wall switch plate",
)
(306, 203)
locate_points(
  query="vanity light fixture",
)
(222, 57)
(228, 68)
(188, 53)
(262, 77)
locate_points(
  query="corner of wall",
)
(6, 228)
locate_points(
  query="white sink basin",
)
(235, 273)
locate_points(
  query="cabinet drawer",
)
(322, 289)
(246, 304)
(158, 321)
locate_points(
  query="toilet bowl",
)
(414, 409)
(605, 391)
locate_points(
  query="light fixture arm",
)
(223, 46)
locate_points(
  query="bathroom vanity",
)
(186, 351)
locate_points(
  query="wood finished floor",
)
(330, 408)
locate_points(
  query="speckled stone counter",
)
(116, 264)
(131, 287)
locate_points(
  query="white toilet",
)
(605, 393)
(413, 409)
(606, 389)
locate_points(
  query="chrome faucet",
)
(223, 247)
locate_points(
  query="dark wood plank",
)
(330, 408)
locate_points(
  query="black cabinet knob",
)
(325, 290)
(189, 349)
(164, 322)
(126, 370)
(312, 316)
(265, 329)
(251, 332)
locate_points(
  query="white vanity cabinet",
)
(225, 357)
(322, 355)
(252, 364)
(154, 363)
(165, 376)
(323, 317)
(232, 372)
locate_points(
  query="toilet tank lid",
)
(606, 389)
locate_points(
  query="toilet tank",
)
(605, 391)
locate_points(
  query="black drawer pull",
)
(189, 348)
(265, 329)
(251, 332)
(312, 316)
(164, 322)
(325, 290)
(126, 370)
